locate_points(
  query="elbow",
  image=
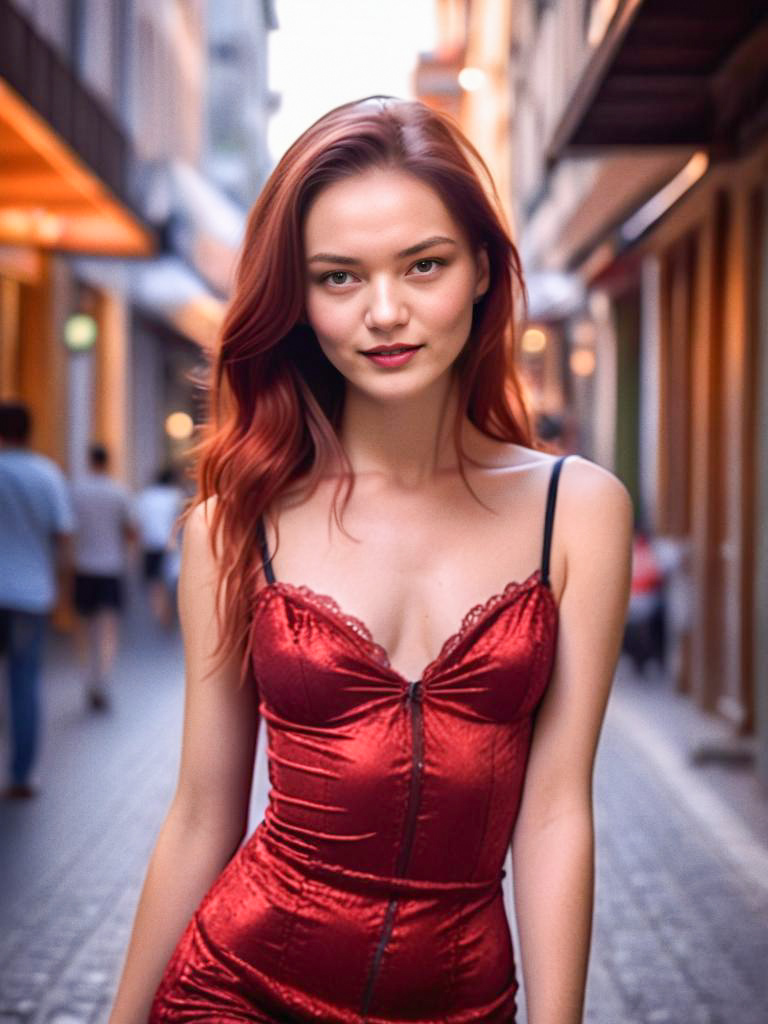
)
(569, 824)
(211, 824)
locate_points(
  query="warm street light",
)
(472, 79)
(179, 426)
(534, 340)
(581, 362)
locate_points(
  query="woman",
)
(366, 357)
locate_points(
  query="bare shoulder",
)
(595, 513)
(585, 487)
(592, 488)
(200, 568)
(201, 516)
(197, 543)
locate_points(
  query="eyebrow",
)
(349, 261)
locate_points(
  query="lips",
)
(390, 350)
(392, 357)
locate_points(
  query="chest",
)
(316, 664)
(409, 583)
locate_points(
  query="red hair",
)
(275, 401)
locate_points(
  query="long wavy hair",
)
(274, 400)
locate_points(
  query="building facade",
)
(120, 220)
(116, 208)
(633, 135)
(641, 155)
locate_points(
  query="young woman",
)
(370, 440)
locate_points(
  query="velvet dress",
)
(371, 891)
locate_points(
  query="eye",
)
(337, 277)
(424, 267)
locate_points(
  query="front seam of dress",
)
(415, 705)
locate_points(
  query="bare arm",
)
(553, 844)
(208, 815)
(63, 560)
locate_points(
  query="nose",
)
(386, 309)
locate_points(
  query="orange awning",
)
(48, 196)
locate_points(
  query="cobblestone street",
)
(681, 929)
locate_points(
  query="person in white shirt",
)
(36, 524)
(158, 508)
(106, 526)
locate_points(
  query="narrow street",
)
(169, 173)
(682, 905)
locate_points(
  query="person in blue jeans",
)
(36, 524)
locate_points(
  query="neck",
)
(407, 441)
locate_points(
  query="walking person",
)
(36, 523)
(158, 508)
(425, 608)
(106, 528)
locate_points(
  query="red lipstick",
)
(392, 355)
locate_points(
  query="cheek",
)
(328, 319)
(450, 313)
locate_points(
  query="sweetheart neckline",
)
(358, 628)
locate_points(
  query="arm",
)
(64, 559)
(553, 842)
(131, 534)
(208, 815)
(130, 523)
(63, 526)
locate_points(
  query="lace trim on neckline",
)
(354, 625)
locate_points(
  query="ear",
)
(483, 273)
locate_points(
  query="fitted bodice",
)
(348, 734)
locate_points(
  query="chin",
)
(400, 387)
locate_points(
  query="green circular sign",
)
(81, 331)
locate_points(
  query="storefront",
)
(63, 174)
(684, 270)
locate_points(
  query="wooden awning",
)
(50, 199)
(672, 72)
(63, 159)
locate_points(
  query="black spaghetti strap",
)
(266, 561)
(549, 518)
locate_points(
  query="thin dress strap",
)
(266, 561)
(549, 518)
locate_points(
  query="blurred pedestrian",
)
(158, 507)
(550, 432)
(644, 638)
(106, 525)
(36, 522)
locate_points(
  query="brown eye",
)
(425, 266)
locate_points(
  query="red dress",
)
(371, 891)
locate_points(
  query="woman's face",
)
(389, 268)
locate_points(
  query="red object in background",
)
(647, 576)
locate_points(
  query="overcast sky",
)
(327, 52)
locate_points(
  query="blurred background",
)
(629, 143)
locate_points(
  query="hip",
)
(272, 938)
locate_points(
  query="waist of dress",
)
(343, 877)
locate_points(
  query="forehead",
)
(376, 212)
